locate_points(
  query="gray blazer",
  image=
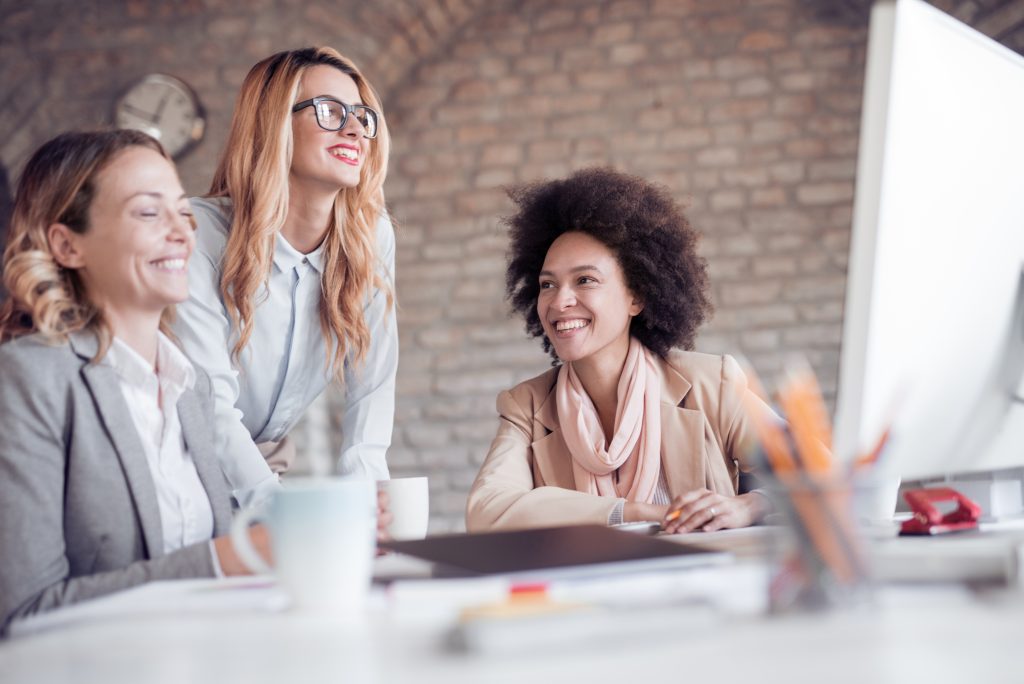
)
(78, 508)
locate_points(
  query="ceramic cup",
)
(409, 504)
(323, 536)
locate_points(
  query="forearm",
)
(249, 477)
(191, 561)
(493, 507)
(369, 410)
(246, 470)
(204, 330)
(505, 494)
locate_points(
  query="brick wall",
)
(748, 110)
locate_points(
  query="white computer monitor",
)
(933, 335)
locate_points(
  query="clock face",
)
(165, 108)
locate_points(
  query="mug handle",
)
(242, 542)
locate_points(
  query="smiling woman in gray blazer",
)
(107, 474)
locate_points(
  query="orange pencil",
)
(773, 439)
(808, 420)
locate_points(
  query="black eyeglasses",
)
(332, 115)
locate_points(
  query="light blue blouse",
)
(283, 369)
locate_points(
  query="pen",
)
(674, 515)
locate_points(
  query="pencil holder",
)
(825, 564)
(822, 565)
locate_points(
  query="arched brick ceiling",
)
(63, 62)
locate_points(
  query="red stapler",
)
(929, 520)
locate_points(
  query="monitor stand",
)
(999, 493)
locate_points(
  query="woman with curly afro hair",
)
(630, 425)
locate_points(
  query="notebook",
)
(553, 552)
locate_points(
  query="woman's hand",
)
(230, 563)
(704, 510)
(642, 512)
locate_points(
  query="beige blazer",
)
(527, 478)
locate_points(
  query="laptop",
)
(553, 552)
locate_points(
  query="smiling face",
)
(327, 160)
(133, 257)
(584, 304)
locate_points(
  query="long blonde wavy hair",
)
(58, 185)
(253, 173)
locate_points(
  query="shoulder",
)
(696, 363)
(213, 223)
(36, 363)
(35, 349)
(212, 210)
(708, 371)
(530, 394)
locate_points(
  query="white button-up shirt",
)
(260, 396)
(152, 398)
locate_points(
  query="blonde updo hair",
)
(58, 185)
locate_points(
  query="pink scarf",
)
(635, 450)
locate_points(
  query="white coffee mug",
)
(409, 505)
(323, 532)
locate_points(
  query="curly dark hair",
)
(640, 223)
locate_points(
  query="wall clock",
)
(164, 107)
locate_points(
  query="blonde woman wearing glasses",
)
(292, 282)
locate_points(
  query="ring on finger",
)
(713, 512)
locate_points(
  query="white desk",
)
(923, 638)
(937, 633)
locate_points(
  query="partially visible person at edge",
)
(292, 283)
(628, 426)
(108, 473)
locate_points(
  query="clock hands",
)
(160, 107)
(152, 117)
(148, 116)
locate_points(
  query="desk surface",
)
(925, 637)
(904, 633)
